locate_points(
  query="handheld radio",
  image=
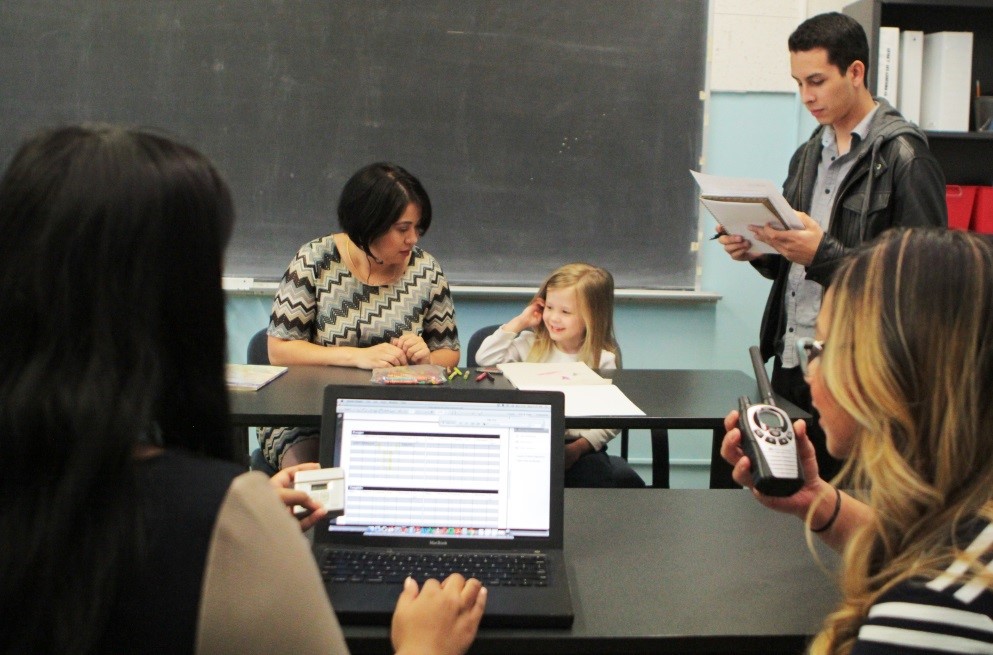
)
(768, 440)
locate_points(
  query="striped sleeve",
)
(951, 614)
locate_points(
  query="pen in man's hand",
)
(720, 233)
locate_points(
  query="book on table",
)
(251, 376)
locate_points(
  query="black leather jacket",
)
(895, 181)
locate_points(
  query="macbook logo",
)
(438, 542)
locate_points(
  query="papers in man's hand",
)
(251, 376)
(586, 393)
(737, 202)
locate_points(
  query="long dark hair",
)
(111, 333)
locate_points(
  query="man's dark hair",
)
(842, 37)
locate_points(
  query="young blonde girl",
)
(571, 319)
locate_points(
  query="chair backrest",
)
(258, 348)
(476, 339)
(258, 353)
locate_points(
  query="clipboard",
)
(736, 203)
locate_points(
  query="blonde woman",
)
(901, 371)
(570, 320)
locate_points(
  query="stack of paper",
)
(586, 393)
(251, 376)
(737, 202)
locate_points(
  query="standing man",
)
(865, 169)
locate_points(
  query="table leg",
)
(240, 437)
(660, 458)
(720, 471)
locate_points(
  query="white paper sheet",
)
(598, 400)
(586, 393)
(719, 186)
(535, 377)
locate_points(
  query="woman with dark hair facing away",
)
(126, 526)
(901, 371)
(367, 296)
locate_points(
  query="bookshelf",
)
(965, 157)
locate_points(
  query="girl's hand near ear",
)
(529, 318)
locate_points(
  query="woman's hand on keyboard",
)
(440, 618)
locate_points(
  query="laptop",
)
(436, 473)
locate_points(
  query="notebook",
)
(437, 471)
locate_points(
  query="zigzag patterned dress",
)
(319, 300)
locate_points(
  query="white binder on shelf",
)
(887, 68)
(909, 78)
(946, 81)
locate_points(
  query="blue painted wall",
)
(749, 135)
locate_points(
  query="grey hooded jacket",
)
(895, 181)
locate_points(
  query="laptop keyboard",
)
(493, 570)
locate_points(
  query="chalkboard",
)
(545, 131)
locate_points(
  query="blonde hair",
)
(909, 355)
(594, 287)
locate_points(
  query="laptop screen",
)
(429, 467)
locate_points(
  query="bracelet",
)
(834, 515)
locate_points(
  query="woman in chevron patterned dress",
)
(367, 296)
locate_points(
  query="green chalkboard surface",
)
(545, 131)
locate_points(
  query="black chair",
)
(621, 472)
(475, 341)
(258, 353)
(258, 348)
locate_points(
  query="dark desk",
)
(671, 399)
(673, 571)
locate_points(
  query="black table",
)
(673, 571)
(671, 399)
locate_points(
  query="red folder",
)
(960, 200)
(982, 210)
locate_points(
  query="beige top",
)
(262, 591)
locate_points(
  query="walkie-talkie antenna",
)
(765, 389)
